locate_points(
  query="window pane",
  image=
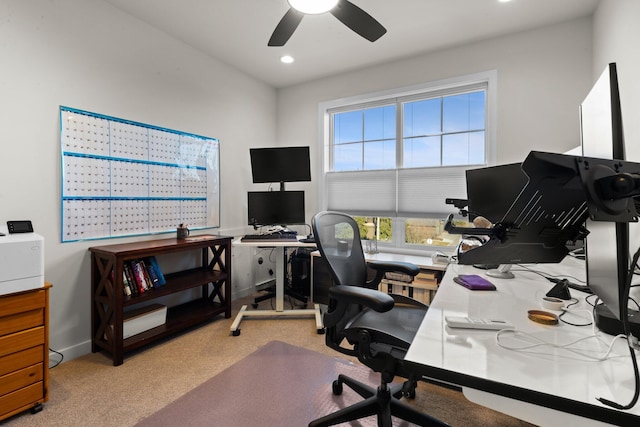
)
(428, 231)
(455, 149)
(347, 127)
(476, 148)
(477, 110)
(380, 123)
(463, 112)
(347, 157)
(463, 149)
(378, 228)
(421, 152)
(422, 117)
(380, 155)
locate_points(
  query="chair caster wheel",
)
(409, 390)
(254, 305)
(336, 387)
(236, 332)
(320, 331)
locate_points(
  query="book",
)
(132, 284)
(400, 277)
(138, 276)
(154, 269)
(125, 284)
(145, 273)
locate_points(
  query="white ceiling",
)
(236, 31)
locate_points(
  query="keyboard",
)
(280, 237)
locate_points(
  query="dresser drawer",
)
(21, 340)
(18, 303)
(21, 378)
(21, 321)
(21, 400)
(21, 359)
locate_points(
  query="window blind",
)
(415, 192)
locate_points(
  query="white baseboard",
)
(70, 353)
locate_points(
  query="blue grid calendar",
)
(123, 178)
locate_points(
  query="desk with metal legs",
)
(281, 264)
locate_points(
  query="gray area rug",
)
(277, 385)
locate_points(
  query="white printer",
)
(21, 261)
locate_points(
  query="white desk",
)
(544, 386)
(280, 248)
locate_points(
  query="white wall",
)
(616, 35)
(88, 55)
(542, 77)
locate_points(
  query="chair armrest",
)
(396, 266)
(371, 298)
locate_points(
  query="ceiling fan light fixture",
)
(313, 7)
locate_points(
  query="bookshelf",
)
(109, 302)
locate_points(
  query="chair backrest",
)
(338, 239)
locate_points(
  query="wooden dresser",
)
(24, 351)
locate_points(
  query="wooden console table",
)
(108, 301)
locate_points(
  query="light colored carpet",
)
(90, 391)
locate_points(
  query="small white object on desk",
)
(476, 323)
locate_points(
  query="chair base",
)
(383, 402)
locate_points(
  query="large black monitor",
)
(607, 245)
(280, 164)
(266, 208)
(491, 191)
(540, 221)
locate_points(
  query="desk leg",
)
(280, 273)
(272, 314)
(279, 312)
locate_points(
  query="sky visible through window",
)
(442, 131)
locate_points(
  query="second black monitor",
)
(267, 208)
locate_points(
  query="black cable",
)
(574, 301)
(59, 361)
(625, 323)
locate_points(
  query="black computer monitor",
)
(607, 245)
(492, 190)
(280, 164)
(266, 208)
(544, 216)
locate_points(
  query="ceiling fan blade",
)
(285, 28)
(358, 20)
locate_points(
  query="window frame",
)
(486, 80)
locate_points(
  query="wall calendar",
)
(123, 178)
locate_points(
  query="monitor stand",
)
(502, 272)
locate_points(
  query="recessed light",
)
(287, 59)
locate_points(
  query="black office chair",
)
(377, 327)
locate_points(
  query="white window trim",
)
(490, 77)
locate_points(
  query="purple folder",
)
(474, 282)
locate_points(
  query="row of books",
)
(141, 275)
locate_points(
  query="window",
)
(392, 159)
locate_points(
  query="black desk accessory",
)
(19, 227)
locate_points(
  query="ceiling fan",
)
(346, 12)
